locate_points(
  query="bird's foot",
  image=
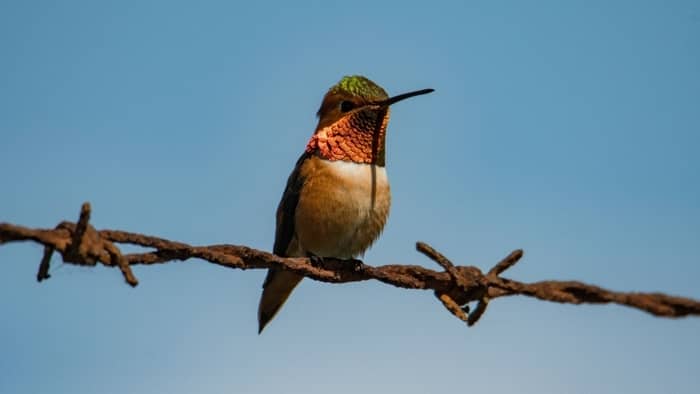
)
(316, 261)
(356, 264)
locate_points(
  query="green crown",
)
(360, 86)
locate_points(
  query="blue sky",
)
(568, 129)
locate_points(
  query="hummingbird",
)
(337, 198)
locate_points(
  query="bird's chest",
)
(342, 208)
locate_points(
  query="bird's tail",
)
(277, 287)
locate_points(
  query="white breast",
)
(363, 181)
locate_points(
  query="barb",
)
(79, 243)
(45, 264)
(506, 263)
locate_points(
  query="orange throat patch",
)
(358, 137)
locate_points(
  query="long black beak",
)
(396, 99)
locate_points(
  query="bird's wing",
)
(287, 208)
(279, 284)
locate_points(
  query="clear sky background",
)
(568, 129)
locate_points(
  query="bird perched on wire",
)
(337, 198)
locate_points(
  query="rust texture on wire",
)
(81, 244)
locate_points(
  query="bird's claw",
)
(316, 261)
(356, 264)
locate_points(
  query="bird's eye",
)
(346, 106)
